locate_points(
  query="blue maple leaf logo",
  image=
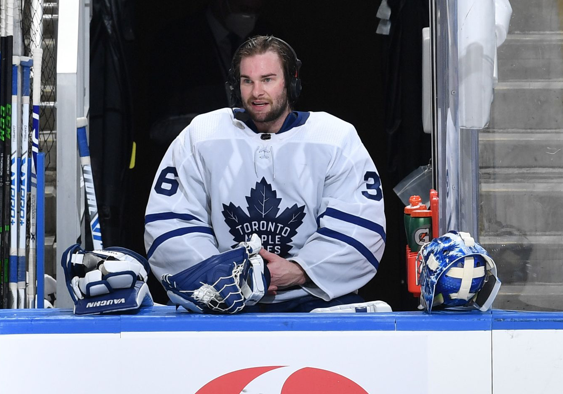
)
(276, 231)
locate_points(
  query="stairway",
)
(48, 133)
(521, 161)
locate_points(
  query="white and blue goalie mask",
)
(457, 273)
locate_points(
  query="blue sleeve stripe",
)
(352, 242)
(169, 215)
(335, 213)
(177, 233)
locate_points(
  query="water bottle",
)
(415, 203)
(420, 229)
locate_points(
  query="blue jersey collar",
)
(294, 119)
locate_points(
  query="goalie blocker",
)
(223, 283)
(104, 281)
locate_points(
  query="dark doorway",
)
(345, 72)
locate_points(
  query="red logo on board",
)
(303, 381)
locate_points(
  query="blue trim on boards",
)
(527, 320)
(168, 319)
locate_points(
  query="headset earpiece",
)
(295, 84)
(233, 88)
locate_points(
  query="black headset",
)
(292, 73)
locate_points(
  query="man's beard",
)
(278, 108)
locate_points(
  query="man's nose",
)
(257, 89)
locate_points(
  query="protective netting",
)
(223, 283)
(225, 295)
(39, 29)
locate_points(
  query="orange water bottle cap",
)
(421, 213)
(415, 200)
(414, 205)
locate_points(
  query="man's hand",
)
(283, 273)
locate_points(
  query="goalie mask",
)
(109, 280)
(223, 283)
(456, 272)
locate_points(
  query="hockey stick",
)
(40, 299)
(14, 188)
(91, 201)
(26, 64)
(17, 79)
(7, 15)
(3, 268)
(8, 124)
(36, 35)
(31, 267)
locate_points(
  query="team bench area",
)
(161, 348)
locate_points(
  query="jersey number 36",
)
(168, 185)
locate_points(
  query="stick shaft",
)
(91, 201)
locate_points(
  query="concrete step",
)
(50, 210)
(48, 94)
(521, 149)
(50, 177)
(48, 145)
(525, 258)
(521, 161)
(527, 200)
(536, 16)
(50, 19)
(50, 7)
(530, 297)
(527, 105)
(530, 268)
(48, 116)
(529, 57)
(51, 256)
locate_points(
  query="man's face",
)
(263, 93)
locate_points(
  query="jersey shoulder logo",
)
(276, 231)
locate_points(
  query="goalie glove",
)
(223, 283)
(109, 280)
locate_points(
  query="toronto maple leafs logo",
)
(276, 231)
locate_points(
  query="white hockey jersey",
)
(310, 191)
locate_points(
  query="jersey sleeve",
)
(178, 232)
(344, 253)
